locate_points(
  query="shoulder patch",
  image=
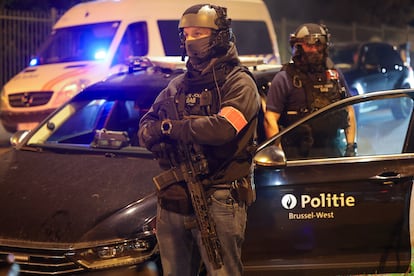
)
(234, 117)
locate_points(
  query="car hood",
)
(56, 197)
(352, 75)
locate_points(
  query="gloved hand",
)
(350, 149)
(151, 134)
(158, 131)
(163, 152)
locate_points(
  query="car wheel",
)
(402, 109)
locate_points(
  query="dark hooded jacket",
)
(226, 148)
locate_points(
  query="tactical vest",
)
(321, 89)
(200, 100)
(204, 99)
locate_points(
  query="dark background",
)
(399, 13)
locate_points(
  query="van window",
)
(79, 43)
(169, 36)
(252, 37)
(133, 43)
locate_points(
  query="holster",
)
(242, 190)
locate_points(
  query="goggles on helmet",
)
(314, 39)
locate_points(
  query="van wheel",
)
(9, 128)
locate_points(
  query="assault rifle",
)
(190, 166)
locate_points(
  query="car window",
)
(381, 129)
(79, 128)
(381, 54)
(382, 125)
(80, 121)
(370, 55)
(390, 57)
(343, 56)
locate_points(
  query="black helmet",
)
(208, 16)
(205, 15)
(310, 33)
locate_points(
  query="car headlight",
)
(119, 253)
(2, 99)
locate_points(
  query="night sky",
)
(368, 12)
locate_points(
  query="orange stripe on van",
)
(53, 82)
(234, 116)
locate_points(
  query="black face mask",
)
(198, 50)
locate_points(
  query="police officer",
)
(306, 84)
(218, 102)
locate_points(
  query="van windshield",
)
(78, 43)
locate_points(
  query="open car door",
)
(320, 212)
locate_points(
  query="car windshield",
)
(81, 122)
(79, 43)
(343, 56)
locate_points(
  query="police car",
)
(337, 215)
(77, 196)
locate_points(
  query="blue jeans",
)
(181, 247)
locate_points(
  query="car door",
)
(322, 214)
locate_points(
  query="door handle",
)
(386, 176)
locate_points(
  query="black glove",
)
(151, 134)
(159, 131)
(162, 150)
(164, 153)
(350, 149)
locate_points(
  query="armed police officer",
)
(304, 85)
(213, 123)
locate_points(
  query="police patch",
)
(191, 99)
(332, 74)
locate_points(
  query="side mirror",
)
(18, 137)
(272, 156)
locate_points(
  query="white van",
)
(95, 39)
